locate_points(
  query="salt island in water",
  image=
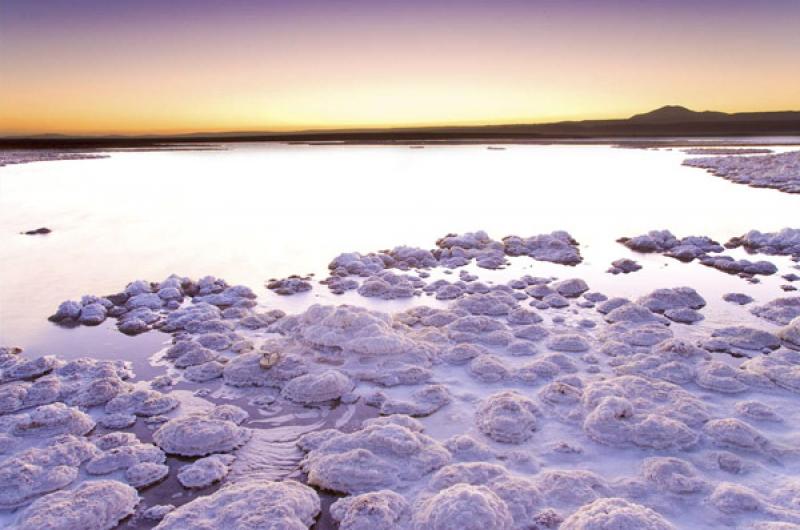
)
(537, 402)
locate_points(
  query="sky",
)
(162, 67)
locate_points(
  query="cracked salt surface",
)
(539, 395)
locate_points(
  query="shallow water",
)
(256, 211)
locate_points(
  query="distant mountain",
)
(677, 114)
(667, 121)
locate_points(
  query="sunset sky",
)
(158, 66)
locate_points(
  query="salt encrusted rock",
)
(633, 410)
(190, 316)
(205, 471)
(142, 403)
(615, 514)
(573, 487)
(115, 439)
(124, 457)
(755, 410)
(92, 505)
(412, 258)
(521, 316)
(555, 301)
(249, 369)
(672, 475)
(353, 263)
(611, 304)
(662, 300)
(735, 499)
(466, 448)
(199, 435)
(557, 247)
(145, 474)
(289, 286)
(18, 395)
(568, 342)
(737, 298)
(634, 314)
(377, 456)
(730, 432)
(683, 315)
(491, 304)
(462, 353)
(317, 387)
(780, 310)
(21, 368)
(252, 504)
(781, 368)
(379, 510)
(52, 420)
(721, 377)
(423, 402)
(33, 472)
(747, 338)
(507, 417)
(236, 296)
(742, 267)
(190, 353)
(204, 372)
(68, 312)
(790, 335)
(350, 329)
(489, 369)
(571, 288)
(465, 507)
(624, 266)
(157, 512)
(92, 314)
(118, 420)
(786, 242)
(532, 332)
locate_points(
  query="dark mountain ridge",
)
(667, 121)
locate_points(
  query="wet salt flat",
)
(514, 400)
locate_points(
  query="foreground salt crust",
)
(531, 403)
(778, 171)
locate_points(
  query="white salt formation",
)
(506, 402)
(779, 171)
(254, 504)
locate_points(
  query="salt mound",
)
(124, 457)
(93, 505)
(379, 510)
(557, 247)
(318, 387)
(54, 419)
(673, 475)
(786, 242)
(256, 504)
(198, 435)
(375, 457)
(33, 472)
(791, 334)
(780, 310)
(464, 507)
(205, 471)
(507, 417)
(142, 403)
(662, 300)
(145, 474)
(615, 514)
(782, 368)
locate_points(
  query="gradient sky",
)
(164, 66)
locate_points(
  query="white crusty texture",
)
(205, 471)
(252, 505)
(318, 387)
(378, 510)
(33, 472)
(93, 505)
(615, 514)
(520, 495)
(200, 435)
(52, 420)
(647, 413)
(380, 455)
(463, 507)
(507, 417)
